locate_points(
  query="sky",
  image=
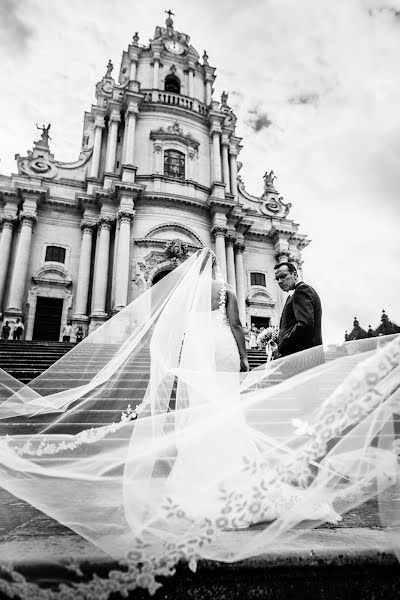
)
(316, 89)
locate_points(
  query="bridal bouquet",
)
(269, 338)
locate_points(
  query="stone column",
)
(133, 71)
(216, 155)
(5, 248)
(130, 132)
(156, 72)
(191, 81)
(101, 275)
(230, 260)
(219, 235)
(240, 282)
(18, 279)
(98, 134)
(82, 289)
(112, 141)
(208, 92)
(122, 275)
(232, 157)
(225, 163)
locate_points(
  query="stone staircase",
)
(27, 360)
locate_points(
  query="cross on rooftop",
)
(169, 13)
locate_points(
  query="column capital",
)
(233, 153)
(131, 112)
(99, 122)
(8, 221)
(115, 116)
(27, 219)
(125, 216)
(219, 231)
(87, 226)
(240, 247)
(230, 239)
(224, 140)
(215, 131)
(105, 222)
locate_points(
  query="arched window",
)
(55, 254)
(174, 164)
(172, 84)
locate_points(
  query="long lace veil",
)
(139, 440)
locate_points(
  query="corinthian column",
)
(130, 133)
(18, 279)
(219, 236)
(225, 163)
(5, 247)
(156, 72)
(112, 141)
(240, 282)
(208, 91)
(233, 162)
(84, 270)
(122, 274)
(98, 134)
(216, 155)
(101, 275)
(230, 261)
(191, 81)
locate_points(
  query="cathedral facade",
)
(156, 179)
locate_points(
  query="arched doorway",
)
(160, 275)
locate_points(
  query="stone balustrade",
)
(173, 99)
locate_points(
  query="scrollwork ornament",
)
(105, 222)
(27, 218)
(219, 231)
(87, 226)
(240, 247)
(125, 216)
(8, 221)
(157, 148)
(176, 249)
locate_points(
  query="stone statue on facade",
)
(176, 249)
(269, 179)
(224, 100)
(45, 132)
(135, 39)
(110, 67)
(205, 59)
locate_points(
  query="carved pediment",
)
(174, 133)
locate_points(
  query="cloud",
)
(14, 32)
(304, 99)
(258, 119)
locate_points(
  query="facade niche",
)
(173, 84)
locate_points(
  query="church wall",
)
(144, 73)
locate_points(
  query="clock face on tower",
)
(174, 47)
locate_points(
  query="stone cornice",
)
(26, 190)
(172, 109)
(161, 243)
(195, 184)
(173, 199)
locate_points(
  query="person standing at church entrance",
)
(18, 330)
(300, 324)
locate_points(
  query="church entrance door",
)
(160, 276)
(260, 321)
(48, 319)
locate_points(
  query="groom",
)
(300, 324)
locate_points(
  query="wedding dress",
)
(147, 441)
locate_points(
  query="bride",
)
(151, 438)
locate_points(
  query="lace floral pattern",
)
(352, 401)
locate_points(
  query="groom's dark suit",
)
(300, 325)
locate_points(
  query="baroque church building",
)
(156, 179)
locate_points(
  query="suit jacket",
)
(300, 325)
